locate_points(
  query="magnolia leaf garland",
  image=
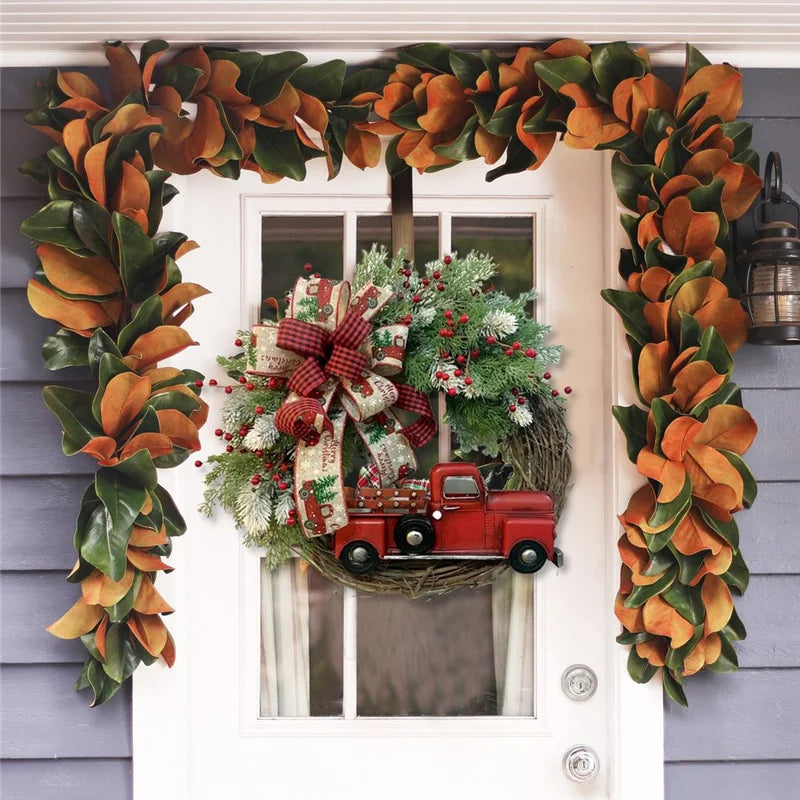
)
(109, 278)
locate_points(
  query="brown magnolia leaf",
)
(728, 427)
(179, 296)
(99, 589)
(129, 118)
(102, 448)
(146, 538)
(653, 370)
(207, 135)
(149, 630)
(122, 401)
(693, 535)
(80, 619)
(716, 483)
(728, 318)
(693, 383)
(636, 559)
(89, 275)
(158, 344)
(661, 618)
(155, 443)
(447, 105)
(678, 437)
(722, 86)
(362, 147)
(77, 140)
(179, 428)
(125, 74)
(76, 84)
(714, 564)
(654, 281)
(77, 315)
(94, 163)
(631, 618)
(197, 58)
(146, 562)
(716, 597)
(149, 601)
(100, 636)
(168, 651)
(654, 651)
(133, 190)
(677, 187)
(222, 83)
(670, 474)
(490, 146)
(569, 47)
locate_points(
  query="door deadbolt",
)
(579, 682)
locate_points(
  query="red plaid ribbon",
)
(423, 429)
(297, 419)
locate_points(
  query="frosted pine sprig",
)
(499, 324)
(263, 434)
(236, 411)
(521, 415)
(283, 506)
(254, 509)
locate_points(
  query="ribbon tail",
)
(423, 429)
(391, 452)
(303, 418)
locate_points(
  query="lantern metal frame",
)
(783, 251)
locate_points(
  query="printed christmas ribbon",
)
(338, 368)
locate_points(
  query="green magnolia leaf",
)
(174, 522)
(738, 575)
(323, 81)
(750, 485)
(484, 105)
(466, 67)
(686, 600)
(660, 561)
(394, 164)
(231, 149)
(123, 498)
(100, 344)
(630, 307)
(462, 148)
(504, 121)
(612, 63)
(177, 400)
(632, 420)
(92, 223)
(734, 630)
(518, 159)
(38, 168)
(63, 161)
(53, 224)
(673, 689)
(74, 411)
(406, 116)
(279, 152)
(708, 197)
(691, 332)
(626, 266)
(658, 541)
(640, 669)
(121, 659)
(667, 511)
(654, 256)
(714, 350)
(555, 72)
(677, 153)
(271, 74)
(139, 468)
(140, 276)
(156, 180)
(150, 49)
(148, 316)
(656, 128)
(663, 415)
(427, 55)
(631, 226)
(629, 178)
(626, 637)
(695, 60)
(728, 661)
(701, 269)
(749, 158)
(137, 141)
(729, 530)
(368, 79)
(728, 394)
(154, 519)
(182, 78)
(173, 459)
(740, 133)
(675, 658)
(65, 348)
(641, 594)
(89, 502)
(101, 546)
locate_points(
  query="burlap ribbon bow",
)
(338, 368)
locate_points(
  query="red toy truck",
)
(458, 518)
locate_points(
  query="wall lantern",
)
(772, 266)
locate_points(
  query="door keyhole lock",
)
(581, 763)
(579, 682)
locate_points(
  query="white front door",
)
(408, 698)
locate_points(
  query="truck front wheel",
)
(527, 556)
(359, 557)
(414, 535)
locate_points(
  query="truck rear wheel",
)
(527, 556)
(359, 557)
(414, 535)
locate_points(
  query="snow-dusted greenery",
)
(474, 358)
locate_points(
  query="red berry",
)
(426, 281)
(512, 408)
(509, 351)
(237, 342)
(437, 275)
(292, 512)
(272, 383)
(408, 319)
(407, 273)
(228, 389)
(449, 323)
(307, 267)
(447, 259)
(530, 352)
(439, 375)
(218, 432)
(228, 437)
(406, 284)
(283, 485)
(440, 287)
(463, 319)
(460, 360)
(268, 465)
(229, 449)
(516, 345)
(457, 373)
(554, 393)
(276, 477)
(490, 340)
(452, 391)
(515, 392)
(448, 314)
(445, 355)
(443, 331)
(212, 382)
(242, 379)
(259, 409)
(316, 275)
(250, 387)
(567, 390)
(416, 298)
(290, 521)
(198, 463)
(521, 401)
(476, 353)
(255, 480)
(450, 334)
(547, 376)
(259, 453)
(283, 467)
(198, 384)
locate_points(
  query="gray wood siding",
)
(737, 740)
(53, 744)
(740, 736)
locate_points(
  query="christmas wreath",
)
(109, 278)
(441, 331)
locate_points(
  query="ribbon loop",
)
(302, 338)
(346, 363)
(308, 377)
